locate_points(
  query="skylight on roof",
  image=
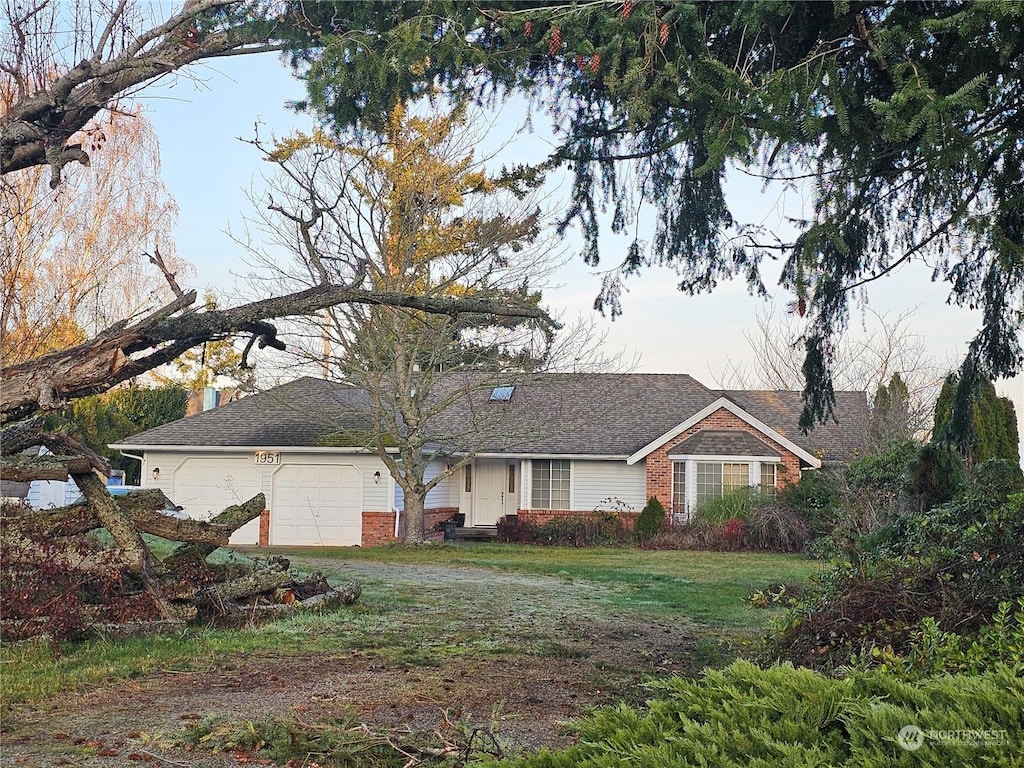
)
(502, 394)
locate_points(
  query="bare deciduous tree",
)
(416, 211)
(863, 362)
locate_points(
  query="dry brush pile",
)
(88, 565)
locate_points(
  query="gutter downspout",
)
(140, 459)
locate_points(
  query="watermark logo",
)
(912, 738)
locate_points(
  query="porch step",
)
(476, 533)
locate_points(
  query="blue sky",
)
(208, 170)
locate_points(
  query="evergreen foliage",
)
(108, 418)
(979, 424)
(954, 563)
(650, 521)
(746, 716)
(907, 116)
(890, 414)
(936, 475)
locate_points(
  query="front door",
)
(497, 485)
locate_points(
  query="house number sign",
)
(266, 457)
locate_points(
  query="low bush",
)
(741, 520)
(743, 715)
(570, 531)
(650, 521)
(932, 651)
(815, 498)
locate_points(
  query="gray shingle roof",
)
(725, 442)
(841, 440)
(579, 414)
(303, 412)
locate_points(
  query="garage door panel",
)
(317, 505)
(205, 487)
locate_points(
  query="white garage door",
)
(206, 486)
(317, 505)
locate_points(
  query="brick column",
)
(265, 528)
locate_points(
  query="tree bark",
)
(48, 382)
(47, 467)
(246, 586)
(232, 518)
(413, 515)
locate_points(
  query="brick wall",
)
(379, 527)
(265, 528)
(659, 466)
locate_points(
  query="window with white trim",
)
(717, 478)
(768, 477)
(550, 488)
(678, 486)
(679, 513)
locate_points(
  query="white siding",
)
(594, 482)
(444, 494)
(47, 494)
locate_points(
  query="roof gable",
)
(723, 402)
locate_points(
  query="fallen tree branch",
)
(25, 469)
(142, 508)
(125, 534)
(232, 518)
(48, 382)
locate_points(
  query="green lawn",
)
(701, 588)
(708, 587)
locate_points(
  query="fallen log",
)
(25, 469)
(232, 518)
(141, 507)
(258, 608)
(246, 586)
(346, 594)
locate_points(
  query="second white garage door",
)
(317, 505)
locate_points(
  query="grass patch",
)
(706, 587)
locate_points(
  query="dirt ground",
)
(565, 648)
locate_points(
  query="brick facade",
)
(379, 527)
(265, 528)
(659, 465)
